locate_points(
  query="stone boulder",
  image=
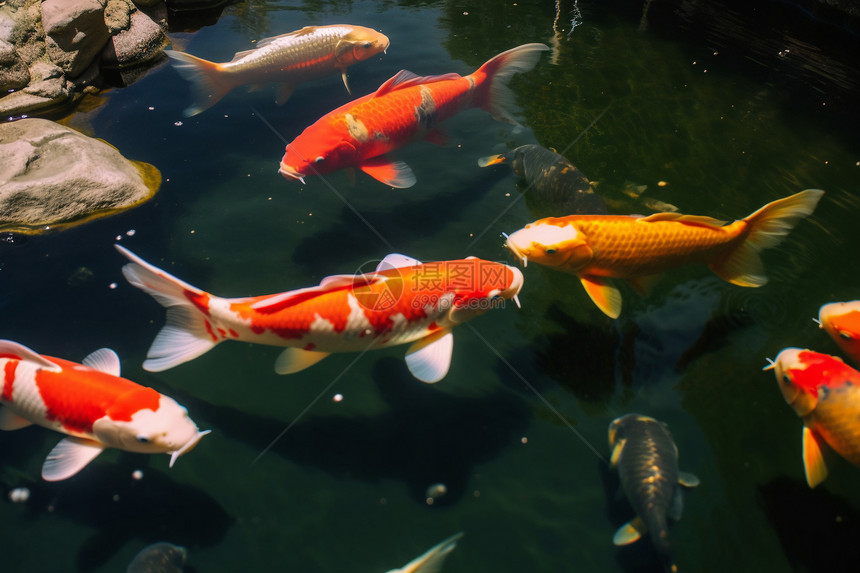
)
(13, 71)
(142, 41)
(75, 32)
(52, 176)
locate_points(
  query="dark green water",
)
(725, 120)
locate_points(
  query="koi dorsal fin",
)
(9, 349)
(396, 261)
(692, 219)
(278, 302)
(104, 360)
(405, 79)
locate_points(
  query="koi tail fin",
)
(187, 332)
(208, 83)
(767, 227)
(431, 561)
(497, 72)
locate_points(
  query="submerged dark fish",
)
(555, 186)
(159, 558)
(647, 460)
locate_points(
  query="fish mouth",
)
(189, 445)
(510, 245)
(290, 173)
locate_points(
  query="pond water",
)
(730, 109)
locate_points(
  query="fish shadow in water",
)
(421, 218)
(107, 498)
(582, 358)
(426, 437)
(817, 529)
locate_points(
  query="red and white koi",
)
(403, 301)
(90, 403)
(405, 108)
(841, 320)
(825, 393)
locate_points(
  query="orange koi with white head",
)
(404, 108)
(825, 393)
(90, 403)
(841, 320)
(597, 248)
(403, 301)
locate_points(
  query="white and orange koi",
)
(90, 403)
(403, 301)
(306, 54)
(825, 393)
(841, 320)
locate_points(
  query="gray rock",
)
(52, 176)
(75, 32)
(142, 42)
(14, 74)
(118, 15)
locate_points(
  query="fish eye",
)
(143, 439)
(786, 379)
(550, 251)
(845, 335)
(366, 45)
(319, 159)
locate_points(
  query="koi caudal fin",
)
(766, 228)
(187, 332)
(208, 82)
(497, 97)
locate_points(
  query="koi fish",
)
(600, 247)
(159, 558)
(841, 320)
(431, 561)
(825, 393)
(555, 185)
(306, 54)
(404, 108)
(92, 405)
(646, 457)
(403, 302)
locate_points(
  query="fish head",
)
(621, 427)
(801, 373)
(553, 242)
(167, 429)
(360, 44)
(478, 286)
(841, 320)
(320, 149)
(518, 158)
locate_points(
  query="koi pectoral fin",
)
(293, 360)
(687, 479)
(428, 359)
(68, 457)
(603, 294)
(393, 173)
(813, 457)
(630, 532)
(284, 93)
(10, 421)
(491, 160)
(345, 83)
